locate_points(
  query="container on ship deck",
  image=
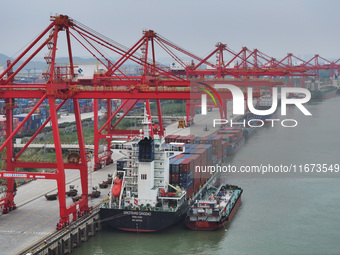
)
(186, 181)
(187, 139)
(197, 186)
(180, 139)
(224, 148)
(171, 162)
(198, 140)
(208, 147)
(234, 138)
(190, 191)
(185, 165)
(196, 160)
(179, 156)
(186, 185)
(203, 155)
(191, 151)
(224, 144)
(219, 155)
(205, 174)
(205, 140)
(190, 161)
(191, 138)
(174, 178)
(217, 148)
(185, 177)
(175, 166)
(171, 138)
(191, 146)
(226, 132)
(217, 140)
(230, 137)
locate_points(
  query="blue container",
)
(174, 166)
(186, 185)
(197, 140)
(171, 162)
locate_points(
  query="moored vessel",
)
(215, 208)
(319, 91)
(156, 185)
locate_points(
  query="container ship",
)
(324, 92)
(215, 208)
(156, 183)
(319, 91)
(140, 198)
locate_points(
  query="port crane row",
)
(155, 82)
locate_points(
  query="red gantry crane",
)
(154, 81)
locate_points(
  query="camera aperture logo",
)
(258, 114)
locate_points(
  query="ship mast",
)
(146, 123)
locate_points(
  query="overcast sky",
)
(274, 27)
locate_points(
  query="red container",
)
(196, 160)
(190, 191)
(217, 140)
(179, 156)
(174, 178)
(219, 154)
(171, 138)
(190, 139)
(224, 145)
(197, 186)
(180, 139)
(184, 166)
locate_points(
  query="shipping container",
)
(171, 138)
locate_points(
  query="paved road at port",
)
(36, 218)
(203, 124)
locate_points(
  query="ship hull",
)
(264, 118)
(235, 147)
(142, 221)
(324, 94)
(208, 225)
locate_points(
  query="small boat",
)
(215, 208)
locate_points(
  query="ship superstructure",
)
(142, 201)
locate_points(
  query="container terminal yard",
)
(28, 217)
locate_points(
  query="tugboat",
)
(215, 208)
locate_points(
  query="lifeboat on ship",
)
(117, 187)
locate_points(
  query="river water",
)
(295, 213)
